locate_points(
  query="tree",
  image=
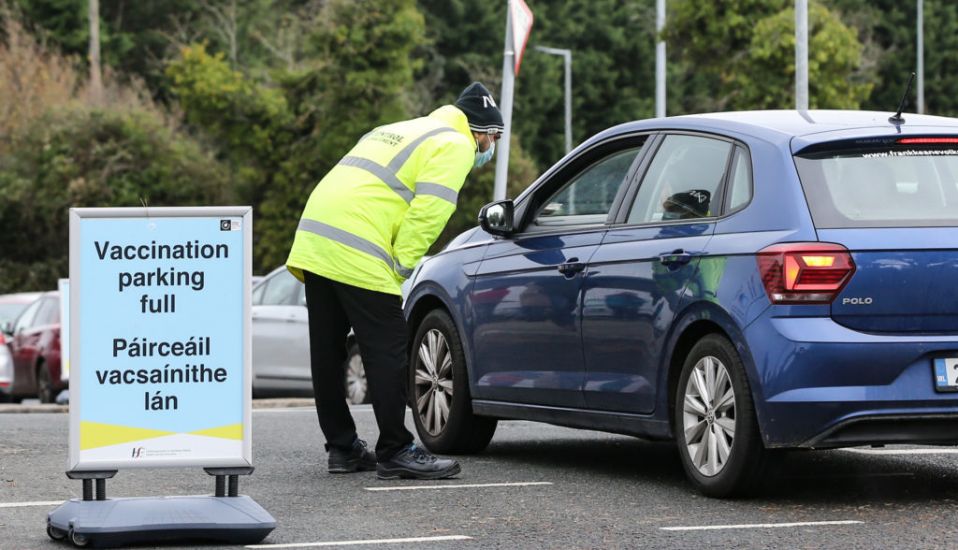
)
(250, 123)
(739, 54)
(32, 78)
(96, 79)
(766, 78)
(613, 64)
(82, 157)
(888, 30)
(364, 61)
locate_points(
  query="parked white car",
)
(281, 342)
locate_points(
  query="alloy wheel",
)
(709, 416)
(434, 382)
(356, 380)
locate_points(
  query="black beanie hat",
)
(481, 110)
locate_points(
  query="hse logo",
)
(137, 452)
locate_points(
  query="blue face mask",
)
(485, 156)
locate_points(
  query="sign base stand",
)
(227, 518)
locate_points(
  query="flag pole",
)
(505, 106)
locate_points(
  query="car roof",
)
(268, 276)
(812, 126)
(19, 297)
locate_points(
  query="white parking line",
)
(761, 525)
(902, 451)
(852, 475)
(466, 486)
(361, 542)
(25, 504)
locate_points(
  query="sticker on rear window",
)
(912, 153)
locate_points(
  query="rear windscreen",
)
(887, 187)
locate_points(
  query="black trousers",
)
(380, 329)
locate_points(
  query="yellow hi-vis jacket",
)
(374, 215)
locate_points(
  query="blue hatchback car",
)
(738, 282)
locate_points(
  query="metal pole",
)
(801, 55)
(567, 57)
(659, 59)
(568, 101)
(921, 57)
(505, 104)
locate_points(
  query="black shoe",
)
(414, 462)
(357, 459)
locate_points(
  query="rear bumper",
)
(916, 427)
(819, 384)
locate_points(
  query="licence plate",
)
(946, 374)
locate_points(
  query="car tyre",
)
(357, 388)
(718, 436)
(439, 390)
(45, 391)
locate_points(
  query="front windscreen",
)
(9, 312)
(886, 187)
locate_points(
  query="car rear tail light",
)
(804, 273)
(3, 339)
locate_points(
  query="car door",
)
(638, 276)
(526, 295)
(280, 334)
(24, 348)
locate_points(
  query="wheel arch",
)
(430, 297)
(696, 322)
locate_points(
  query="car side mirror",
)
(497, 218)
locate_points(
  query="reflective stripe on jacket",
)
(374, 215)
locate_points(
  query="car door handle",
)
(675, 258)
(570, 268)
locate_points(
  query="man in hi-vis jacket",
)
(365, 227)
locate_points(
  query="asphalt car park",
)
(535, 486)
(733, 334)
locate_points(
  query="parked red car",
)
(35, 346)
(12, 305)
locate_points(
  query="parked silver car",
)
(281, 342)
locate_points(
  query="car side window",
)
(740, 184)
(683, 181)
(300, 294)
(281, 290)
(47, 314)
(258, 293)
(26, 318)
(588, 197)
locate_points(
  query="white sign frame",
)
(63, 286)
(77, 215)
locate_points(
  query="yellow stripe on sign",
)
(94, 435)
(232, 431)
